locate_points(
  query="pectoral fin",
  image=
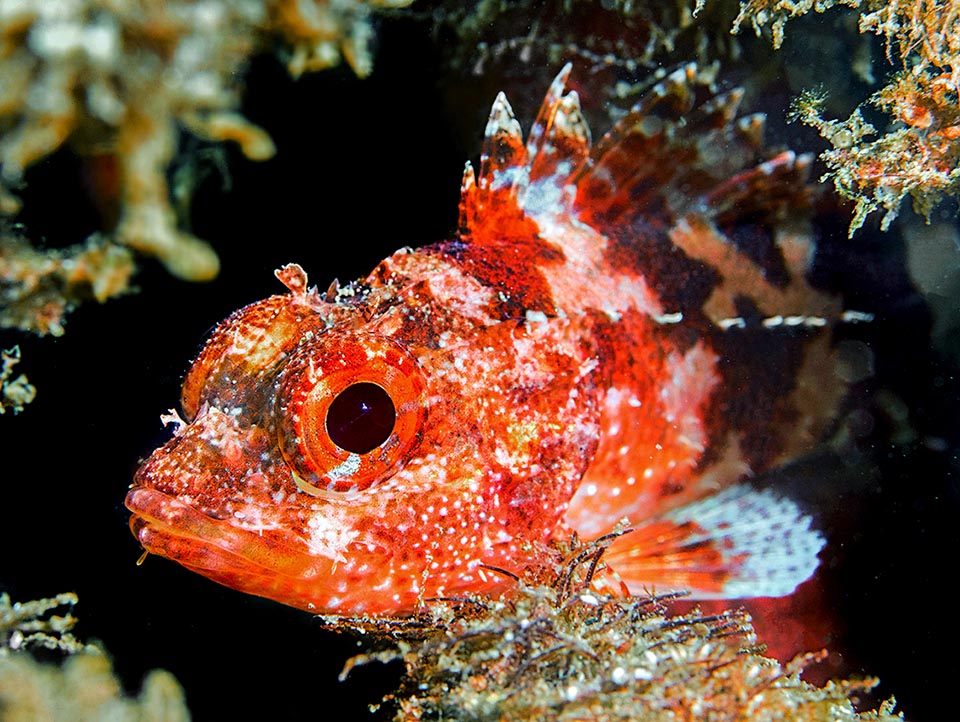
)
(739, 543)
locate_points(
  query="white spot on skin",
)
(535, 317)
(856, 317)
(735, 322)
(329, 533)
(668, 318)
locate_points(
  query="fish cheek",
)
(536, 419)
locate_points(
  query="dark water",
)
(363, 168)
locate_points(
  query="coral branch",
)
(15, 393)
(322, 31)
(30, 624)
(38, 288)
(123, 79)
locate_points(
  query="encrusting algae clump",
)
(15, 392)
(556, 650)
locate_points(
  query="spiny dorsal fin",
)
(513, 173)
(680, 159)
(468, 200)
(673, 96)
(674, 153)
(548, 110)
(559, 141)
(768, 189)
(669, 153)
(564, 147)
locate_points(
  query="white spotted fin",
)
(740, 543)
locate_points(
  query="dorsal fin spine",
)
(503, 150)
(468, 200)
(543, 124)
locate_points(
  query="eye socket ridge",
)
(349, 411)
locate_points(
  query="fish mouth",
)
(264, 565)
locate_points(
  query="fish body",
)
(620, 330)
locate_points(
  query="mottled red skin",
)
(544, 381)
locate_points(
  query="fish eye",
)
(349, 409)
(361, 417)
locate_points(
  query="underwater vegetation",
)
(918, 154)
(550, 650)
(555, 650)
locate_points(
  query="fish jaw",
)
(237, 558)
(209, 501)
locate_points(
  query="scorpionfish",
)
(620, 334)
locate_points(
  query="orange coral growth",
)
(919, 158)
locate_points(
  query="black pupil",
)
(361, 418)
